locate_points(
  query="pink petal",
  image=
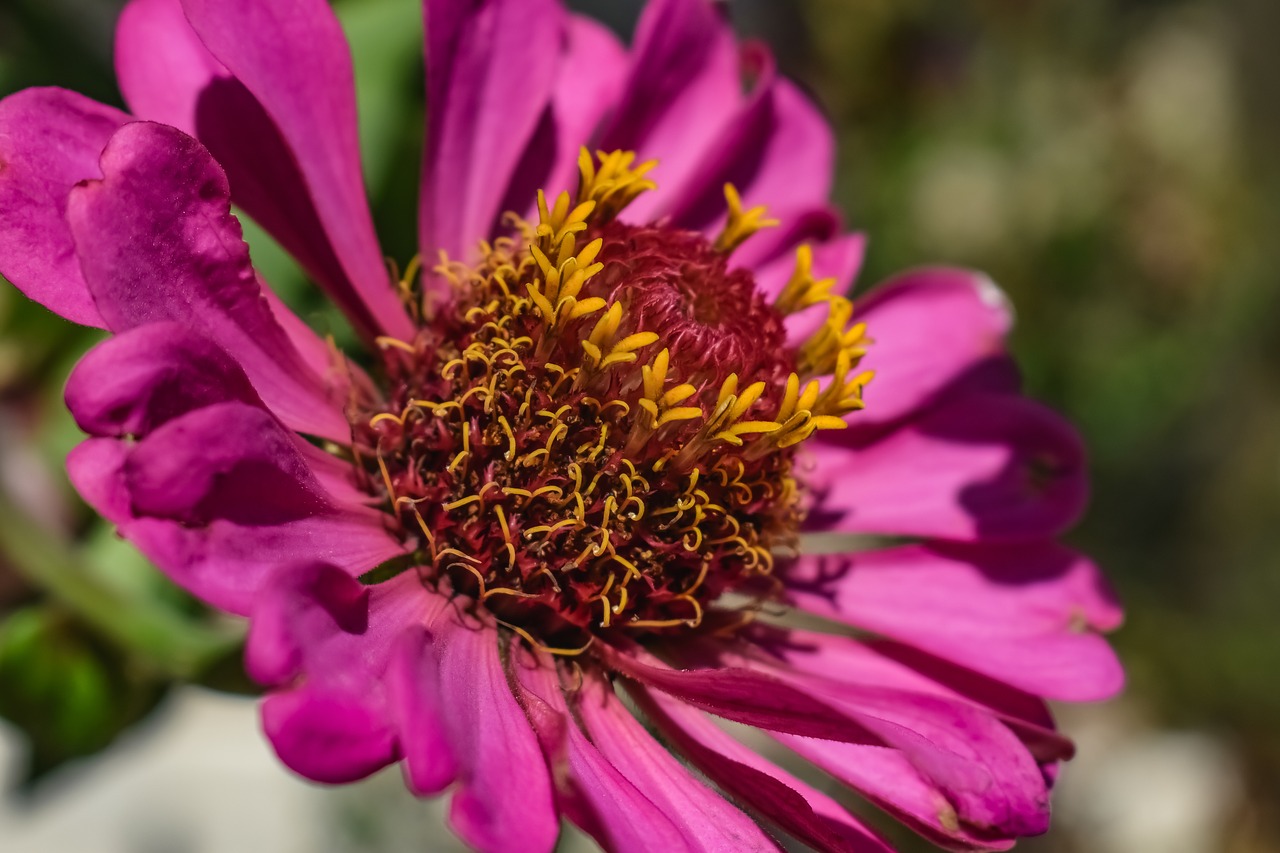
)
(740, 695)
(879, 663)
(983, 466)
(162, 66)
(327, 738)
(328, 640)
(417, 705)
(594, 794)
(96, 470)
(157, 242)
(886, 778)
(778, 151)
(168, 75)
(799, 809)
(504, 800)
(684, 88)
(708, 822)
(221, 496)
(931, 328)
(479, 119)
(1024, 615)
(268, 87)
(50, 139)
(132, 383)
(986, 774)
(589, 84)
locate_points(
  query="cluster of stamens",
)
(598, 434)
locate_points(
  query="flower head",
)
(590, 442)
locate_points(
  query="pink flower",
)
(591, 438)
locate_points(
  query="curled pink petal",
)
(50, 140)
(132, 383)
(157, 242)
(325, 640)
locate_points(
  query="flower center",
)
(597, 434)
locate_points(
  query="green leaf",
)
(67, 692)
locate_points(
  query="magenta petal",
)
(741, 695)
(417, 704)
(684, 88)
(886, 778)
(589, 83)
(592, 793)
(157, 242)
(328, 738)
(984, 466)
(987, 775)
(799, 809)
(168, 75)
(50, 139)
(335, 646)
(1024, 615)
(96, 470)
(885, 664)
(504, 800)
(476, 130)
(292, 57)
(303, 613)
(134, 382)
(222, 497)
(778, 151)
(930, 327)
(708, 822)
(161, 64)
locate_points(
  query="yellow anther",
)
(560, 222)
(386, 416)
(633, 572)
(679, 413)
(820, 353)
(460, 502)
(511, 438)
(803, 290)
(506, 529)
(386, 342)
(614, 184)
(742, 223)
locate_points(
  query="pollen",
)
(598, 433)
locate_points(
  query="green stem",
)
(164, 640)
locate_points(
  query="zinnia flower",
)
(571, 483)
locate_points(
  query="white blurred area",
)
(1133, 788)
(200, 778)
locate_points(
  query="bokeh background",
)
(1111, 163)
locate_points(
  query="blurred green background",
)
(1111, 163)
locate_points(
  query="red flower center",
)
(581, 440)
